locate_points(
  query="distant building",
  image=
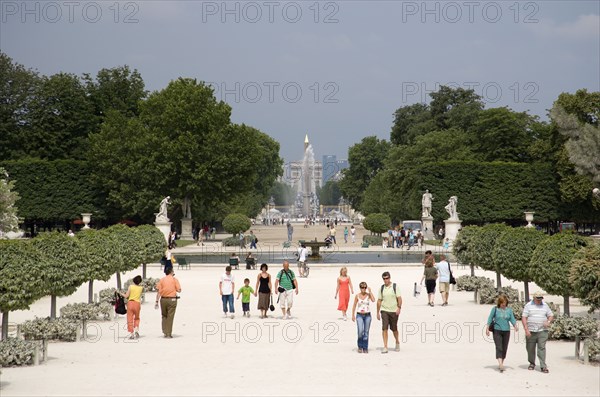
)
(332, 168)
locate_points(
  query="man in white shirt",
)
(443, 268)
(302, 252)
(536, 320)
(226, 288)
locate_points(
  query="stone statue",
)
(426, 203)
(162, 211)
(186, 208)
(451, 208)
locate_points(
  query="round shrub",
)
(236, 223)
(373, 240)
(377, 223)
(489, 295)
(471, 283)
(566, 327)
(585, 276)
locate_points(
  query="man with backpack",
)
(389, 304)
(285, 284)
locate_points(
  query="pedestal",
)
(428, 227)
(165, 228)
(186, 229)
(452, 228)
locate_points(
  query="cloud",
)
(585, 27)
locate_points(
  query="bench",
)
(183, 263)
(364, 245)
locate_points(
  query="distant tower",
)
(306, 143)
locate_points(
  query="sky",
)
(335, 70)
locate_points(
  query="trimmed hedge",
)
(14, 352)
(46, 328)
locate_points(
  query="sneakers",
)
(445, 304)
(384, 351)
(131, 336)
(397, 349)
(136, 334)
(232, 316)
(360, 350)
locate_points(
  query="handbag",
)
(491, 326)
(452, 279)
(280, 289)
(272, 307)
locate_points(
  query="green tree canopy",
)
(330, 193)
(99, 264)
(484, 242)
(464, 248)
(20, 281)
(585, 276)
(512, 254)
(366, 160)
(63, 263)
(551, 264)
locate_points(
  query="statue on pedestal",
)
(162, 211)
(186, 208)
(426, 203)
(451, 208)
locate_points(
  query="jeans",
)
(363, 323)
(253, 244)
(228, 299)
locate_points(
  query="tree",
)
(484, 242)
(62, 265)
(99, 264)
(18, 87)
(464, 248)
(583, 142)
(551, 264)
(282, 193)
(330, 193)
(585, 276)
(454, 107)
(236, 223)
(127, 249)
(512, 253)
(117, 89)
(377, 196)
(411, 122)
(503, 135)
(8, 197)
(366, 160)
(153, 244)
(61, 117)
(377, 223)
(183, 145)
(20, 281)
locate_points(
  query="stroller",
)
(328, 241)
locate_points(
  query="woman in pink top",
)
(344, 289)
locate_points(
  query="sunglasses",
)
(363, 287)
(386, 278)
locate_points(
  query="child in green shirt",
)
(246, 291)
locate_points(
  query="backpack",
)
(120, 307)
(383, 286)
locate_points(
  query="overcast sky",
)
(334, 70)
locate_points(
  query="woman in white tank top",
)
(361, 314)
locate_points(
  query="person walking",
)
(536, 320)
(501, 316)
(263, 286)
(353, 234)
(361, 314)
(242, 241)
(290, 231)
(134, 302)
(332, 233)
(253, 240)
(302, 254)
(344, 289)
(346, 234)
(226, 288)
(443, 268)
(430, 275)
(246, 291)
(168, 287)
(389, 305)
(285, 284)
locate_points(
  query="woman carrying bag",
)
(499, 322)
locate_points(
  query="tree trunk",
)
(143, 271)
(498, 281)
(566, 310)
(119, 280)
(91, 292)
(472, 270)
(53, 307)
(5, 325)
(526, 287)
